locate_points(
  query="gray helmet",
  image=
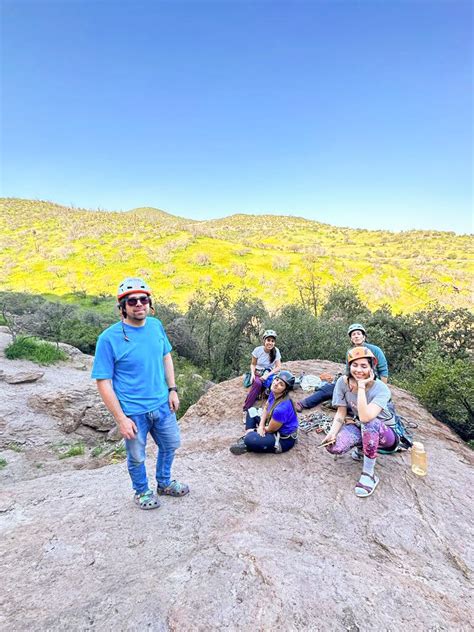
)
(269, 333)
(131, 285)
(356, 327)
(287, 377)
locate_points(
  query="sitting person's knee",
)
(334, 449)
(251, 438)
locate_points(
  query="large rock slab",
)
(274, 542)
(21, 377)
(74, 407)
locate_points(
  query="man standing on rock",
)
(135, 378)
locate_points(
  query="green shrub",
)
(15, 447)
(190, 381)
(81, 335)
(97, 451)
(343, 303)
(77, 449)
(28, 348)
(3, 463)
(119, 453)
(446, 388)
(296, 328)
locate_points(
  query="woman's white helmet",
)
(269, 333)
(131, 285)
(356, 327)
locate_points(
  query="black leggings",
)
(257, 443)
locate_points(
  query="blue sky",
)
(351, 113)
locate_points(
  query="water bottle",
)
(419, 460)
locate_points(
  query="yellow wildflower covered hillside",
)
(47, 248)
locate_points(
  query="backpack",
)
(247, 379)
(405, 437)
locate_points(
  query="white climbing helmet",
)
(131, 285)
(356, 327)
(269, 333)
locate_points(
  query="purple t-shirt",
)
(284, 413)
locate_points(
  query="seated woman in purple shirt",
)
(276, 430)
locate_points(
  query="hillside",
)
(261, 543)
(47, 248)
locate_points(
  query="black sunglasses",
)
(144, 300)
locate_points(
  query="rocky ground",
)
(261, 543)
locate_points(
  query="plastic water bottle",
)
(419, 459)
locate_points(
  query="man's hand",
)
(261, 430)
(173, 401)
(127, 428)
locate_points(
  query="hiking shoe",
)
(239, 447)
(357, 455)
(173, 489)
(147, 500)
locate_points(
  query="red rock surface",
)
(274, 542)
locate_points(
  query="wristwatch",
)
(173, 388)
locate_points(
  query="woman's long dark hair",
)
(272, 354)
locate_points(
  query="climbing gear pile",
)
(315, 421)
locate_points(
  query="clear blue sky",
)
(352, 113)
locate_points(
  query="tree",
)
(18, 310)
(310, 292)
(446, 388)
(343, 303)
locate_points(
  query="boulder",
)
(74, 408)
(22, 377)
(262, 542)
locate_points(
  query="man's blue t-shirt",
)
(135, 366)
(284, 413)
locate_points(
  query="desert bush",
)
(280, 263)
(225, 329)
(81, 334)
(183, 341)
(202, 259)
(17, 308)
(239, 269)
(296, 328)
(191, 382)
(343, 303)
(445, 387)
